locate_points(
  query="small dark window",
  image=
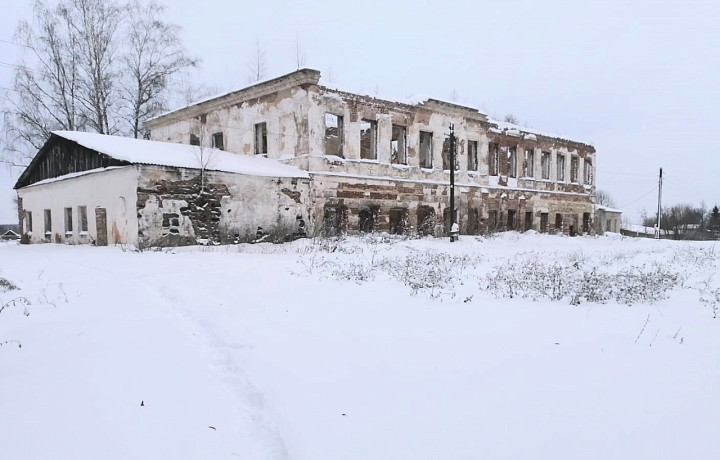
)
(333, 135)
(397, 145)
(28, 222)
(511, 220)
(512, 162)
(558, 222)
(492, 220)
(194, 140)
(426, 150)
(368, 140)
(218, 141)
(588, 173)
(544, 222)
(529, 163)
(560, 168)
(426, 220)
(493, 159)
(472, 156)
(368, 218)
(446, 154)
(574, 166)
(335, 219)
(528, 220)
(68, 220)
(398, 221)
(82, 218)
(48, 223)
(545, 165)
(261, 139)
(473, 223)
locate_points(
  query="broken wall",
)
(174, 208)
(283, 112)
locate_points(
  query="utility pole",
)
(659, 209)
(453, 230)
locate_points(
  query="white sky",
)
(636, 78)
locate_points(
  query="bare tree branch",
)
(257, 67)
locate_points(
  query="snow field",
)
(325, 349)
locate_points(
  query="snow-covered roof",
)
(512, 128)
(140, 151)
(600, 207)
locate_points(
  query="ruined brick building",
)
(384, 165)
(290, 157)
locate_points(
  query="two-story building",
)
(384, 165)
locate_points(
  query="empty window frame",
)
(545, 165)
(574, 166)
(28, 222)
(334, 135)
(194, 140)
(446, 154)
(512, 162)
(426, 220)
(472, 157)
(560, 167)
(48, 223)
(398, 150)
(261, 147)
(544, 222)
(493, 159)
(218, 141)
(511, 219)
(426, 149)
(473, 221)
(68, 220)
(82, 218)
(492, 220)
(588, 173)
(368, 217)
(335, 219)
(398, 221)
(368, 139)
(529, 163)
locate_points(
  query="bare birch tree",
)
(46, 87)
(603, 198)
(300, 56)
(88, 66)
(96, 24)
(154, 53)
(257, 66)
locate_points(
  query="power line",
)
(652, 190)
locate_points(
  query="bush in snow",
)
(710, 296)
(6, 285)
(430, 272)
(530, 276)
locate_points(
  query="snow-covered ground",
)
(361, 349)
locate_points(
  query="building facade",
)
(384, 165)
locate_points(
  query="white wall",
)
(113, 189)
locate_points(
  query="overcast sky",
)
(638, 79)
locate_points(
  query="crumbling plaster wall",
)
(354, 108)
(172, 209)
(354, 194)
(284, 112)
(113, 189)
